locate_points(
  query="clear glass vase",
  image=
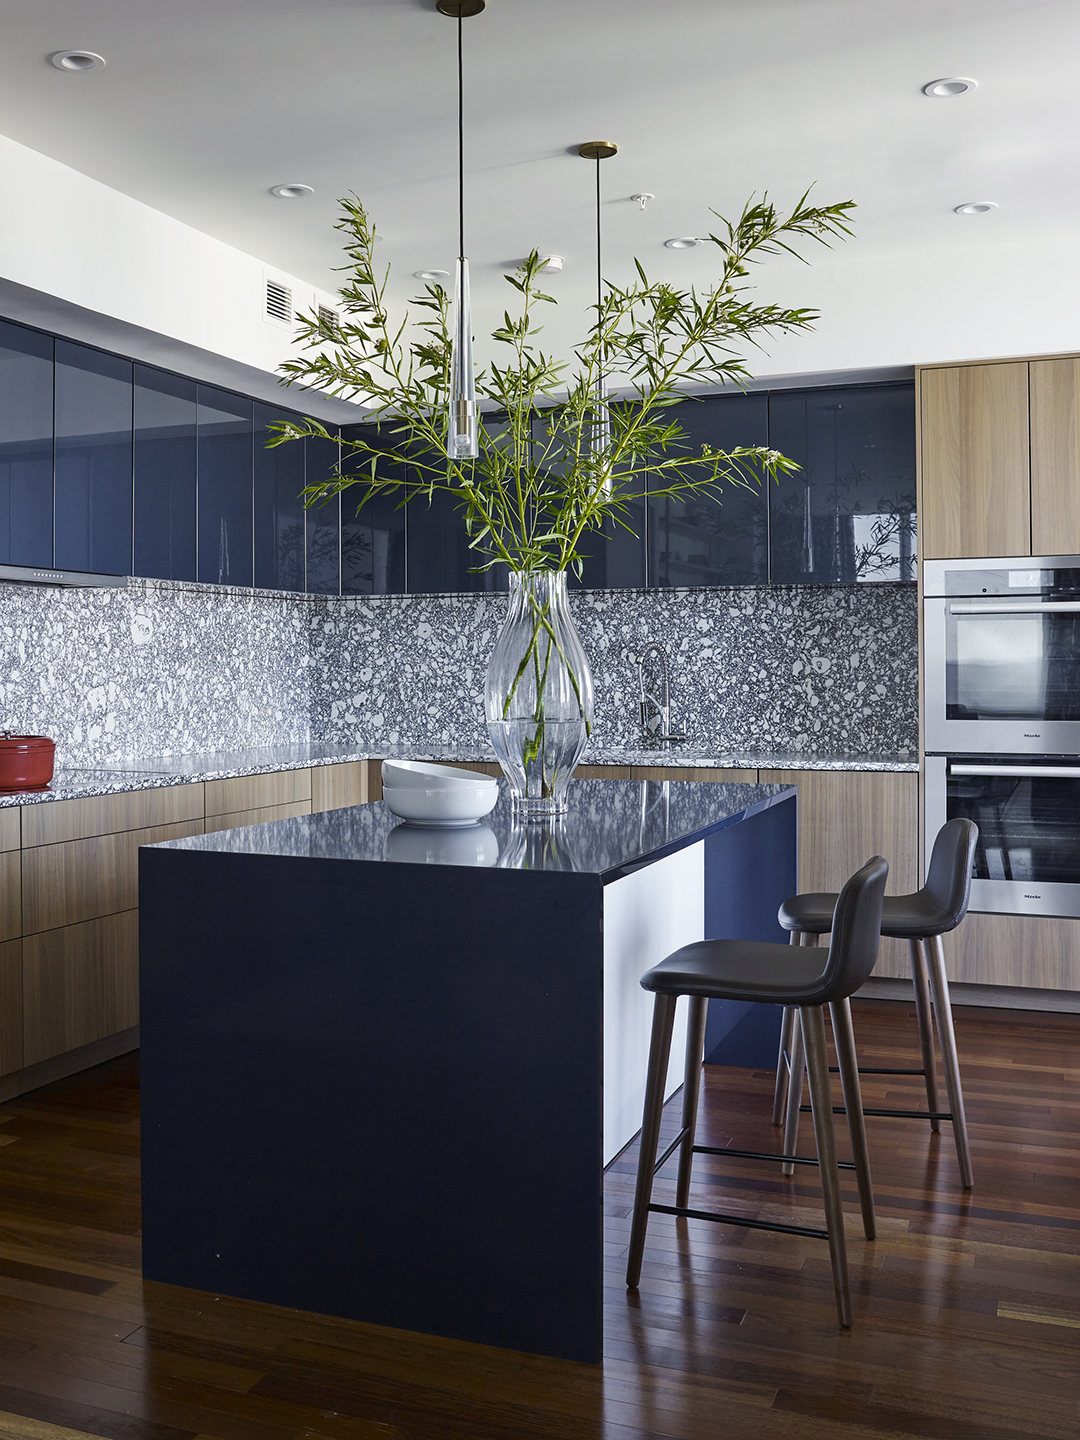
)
(538, 696)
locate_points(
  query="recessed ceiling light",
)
(78, 60)
(291, 192)
(976, 207)
(438, 276)
(949, 86)
(682, 242)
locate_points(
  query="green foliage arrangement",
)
(558, 460)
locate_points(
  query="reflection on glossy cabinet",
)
(975, 482)
(845, 816)
(1055, 457)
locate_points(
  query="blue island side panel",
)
(374, 1091)
(750, 870)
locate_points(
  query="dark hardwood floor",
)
(967, 1307)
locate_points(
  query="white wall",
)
(106, 257)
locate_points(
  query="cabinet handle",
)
(1051, 772)
(1036, 607)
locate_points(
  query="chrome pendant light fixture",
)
(600, 436)
(462, 440)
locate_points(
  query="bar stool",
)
(773, 974)
(921, 919)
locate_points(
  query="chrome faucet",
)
(656, 714)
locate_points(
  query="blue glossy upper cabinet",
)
(372, 534)
(323, 528)
(849, 514)
(226, 517)
(26, 446)
(93, 476)
(699, 540)
(279, 509)
(165, 471)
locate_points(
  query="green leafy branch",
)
(543, 481)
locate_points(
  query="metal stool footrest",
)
(737, 1220)
(891, 1114)
(764, 1155)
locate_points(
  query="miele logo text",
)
(1032, 897)
(1028, 736)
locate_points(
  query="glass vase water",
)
(538, 695)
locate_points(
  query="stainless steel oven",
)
(1002, 648)
(1028, 812)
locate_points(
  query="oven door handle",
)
(1037, 607)
(1036, 772)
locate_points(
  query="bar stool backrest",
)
(856, 931)
(948, 877)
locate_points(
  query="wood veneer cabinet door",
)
(80, 983)
(1032, 951)
(689, 772)
(80, 879)
(10, 895)
(253, 792)
(845, 816)
(259, 816)
(10, 827)
(333, 787)
(1055, 457)
(52, 821)
(11, 1007)
(976, 497)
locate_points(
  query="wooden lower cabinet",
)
(256, 817)
(11, 1007)
(1027, 951)
(333, 787)
(845, 816)
(80, 983)
(257, 792)
(79, 880)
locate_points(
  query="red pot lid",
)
(8, 741)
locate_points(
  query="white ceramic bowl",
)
(438, 805)
(424, 775)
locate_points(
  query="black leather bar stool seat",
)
(921, 919)
(774, 974)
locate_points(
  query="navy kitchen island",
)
(383, 1068)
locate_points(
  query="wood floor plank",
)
(967, 1305)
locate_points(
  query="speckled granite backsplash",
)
(161, 669)
(815, 670)
(154, 669)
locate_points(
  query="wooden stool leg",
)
(794, 1090)
(817, 1064)
(782, 1060)
(926, 1028)
(659, 1051)
(695, 1046)
(795, 1081)
(939, 985)
(848, 1064)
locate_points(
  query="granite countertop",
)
(148, 772)
(609, 830)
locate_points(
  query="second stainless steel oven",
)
(1002, 648)
(1027, 861)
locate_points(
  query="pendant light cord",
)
(461, 142)
(599, 281)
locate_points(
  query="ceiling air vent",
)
(278, 302)
(328, 321)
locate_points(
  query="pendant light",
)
(600, 435)
(462, 440)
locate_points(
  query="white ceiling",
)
(204, 104)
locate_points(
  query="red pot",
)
(26, 761)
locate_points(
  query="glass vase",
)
(538, 696)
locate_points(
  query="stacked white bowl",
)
(428, 794)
